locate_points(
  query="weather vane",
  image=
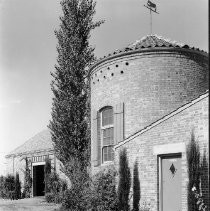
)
(153, 8)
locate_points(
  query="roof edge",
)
(28, 152)
(164, 118)
(203, 53)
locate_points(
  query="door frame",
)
(160, 191)
(32, 174)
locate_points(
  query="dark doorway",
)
(38, 180)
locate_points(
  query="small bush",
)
(17, 187)
(9, 187)
(56, 188)
(96, 194)
(104, 197)
(73, 200)
(2, 187)
(76, 197)
(49, 197)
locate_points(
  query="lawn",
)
(30, 204)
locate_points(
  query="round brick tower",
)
(151, 78)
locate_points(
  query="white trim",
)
(38, 163)
(179, 110)
(160, 179)
(169, 148)
(160, 182)
(107, 163)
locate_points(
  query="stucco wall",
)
(17, 163)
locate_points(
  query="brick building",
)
(36, 149)
(151, 98)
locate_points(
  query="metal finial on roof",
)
(152, 8)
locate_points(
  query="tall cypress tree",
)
(17, 187)
(136, 188)
(69, 123)
(124, 182)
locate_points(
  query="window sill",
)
(107, 163)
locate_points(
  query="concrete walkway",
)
(31, 204)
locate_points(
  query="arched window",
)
(107, 134)
(107, 130)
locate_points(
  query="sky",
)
(28, 51)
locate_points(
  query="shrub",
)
(2, 187)
(47, 171)
(17, 187)
(75, 197)
(49, 197)
(205, 179)
(56, 188)
(73, 200)
(95, 194)
(124, 181)
(9, 186)
(105, 196)
(193, 159)
(136, 188)
(27, 181)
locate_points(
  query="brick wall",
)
(150, 84)
(175, 130)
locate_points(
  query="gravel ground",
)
(31, 204)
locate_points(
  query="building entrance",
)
(38, 180)
(171, 183)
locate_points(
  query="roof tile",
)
(41, 141)
(150, 41)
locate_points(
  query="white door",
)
(171, 183)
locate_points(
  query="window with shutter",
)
(107, 134)
(118, 123)
(107, 131)
(95, 136)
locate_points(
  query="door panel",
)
(171, 183)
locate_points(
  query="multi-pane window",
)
(107, 134)
(107, 117)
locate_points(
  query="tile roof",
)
(150, 41)
(41, 141)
